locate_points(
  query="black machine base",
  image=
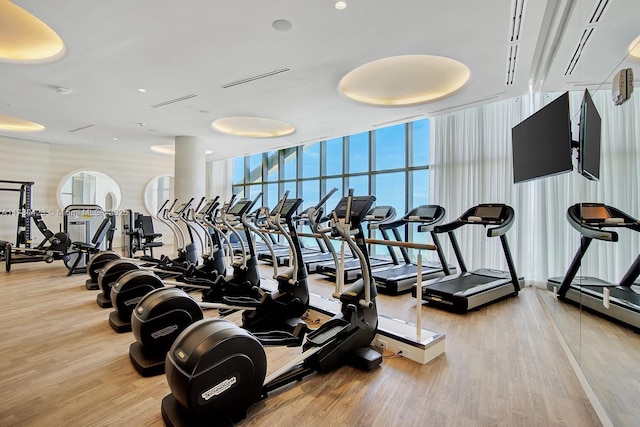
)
(365, 359)
(174, 415)
(103, 301)
(91, 285)
(118, 324)
(146, 365)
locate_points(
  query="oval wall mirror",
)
(158, 191)
(87, 187)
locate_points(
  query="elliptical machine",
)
(282, 309)
(216, 369)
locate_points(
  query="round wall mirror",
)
(89, 188)
(158, 191)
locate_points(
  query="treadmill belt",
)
(617, 292)
(461, 283)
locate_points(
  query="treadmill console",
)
(377, 213)
(360, 205)
(423, 213)
(599, 215)
(485, 214)
(592, 213)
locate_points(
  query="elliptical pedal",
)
(326, 333)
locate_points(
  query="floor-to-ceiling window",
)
(392, 163)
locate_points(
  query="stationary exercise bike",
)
(216, 369)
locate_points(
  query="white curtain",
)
(472, 163)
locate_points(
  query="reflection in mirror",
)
(89, 188)
(159, 190)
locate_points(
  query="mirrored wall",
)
(87, 187)
(158, 191)
(599, 230)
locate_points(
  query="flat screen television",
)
(589, 139)
(542, 142)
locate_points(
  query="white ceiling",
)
(175, 49)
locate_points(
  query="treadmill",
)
(598, 221)
(352, 270)
(467, 290)
(400, 278)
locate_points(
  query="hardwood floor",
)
(62, 365)
(608, 354)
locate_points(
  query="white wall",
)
(48, 164)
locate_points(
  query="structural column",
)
(189, 169)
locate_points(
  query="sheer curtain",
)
(472, 163)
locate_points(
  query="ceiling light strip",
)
(598, 11)
(256, 77)
(81, 128)
(173, 101)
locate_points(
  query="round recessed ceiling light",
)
(19, 125)
(253, 127)
(341, 5)
(170, 150)
(634, 48)
(25, 38)
(142, 90)
(281, 25)
(404, 80)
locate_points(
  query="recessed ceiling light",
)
(15, 124)
(142, 90)
(281, 25)
(25, 38)
(404, 80)
(253, 127)
(171, 150)
(115, 138)
(341, 5)
(634, 48)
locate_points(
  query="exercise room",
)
(358, 213)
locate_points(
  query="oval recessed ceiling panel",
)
(25, 38)
(404, 80)
(253, 127)
(15, 124)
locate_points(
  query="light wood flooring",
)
(62, 365)
(608, 354)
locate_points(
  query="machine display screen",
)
(207, 207)
(594, 213)
(289, 207)
(426, 213)
(377, 212)
(359, 206)
(239, 207)
(489, 213)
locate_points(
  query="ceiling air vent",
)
(512, 58)
(586, 34)
(515, 26)
(598, 11)
(173, 101)
(588, 30)
(81, 128)
(252, 78)
(517, 10)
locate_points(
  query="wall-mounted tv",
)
(542, 142)
(589, 139)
